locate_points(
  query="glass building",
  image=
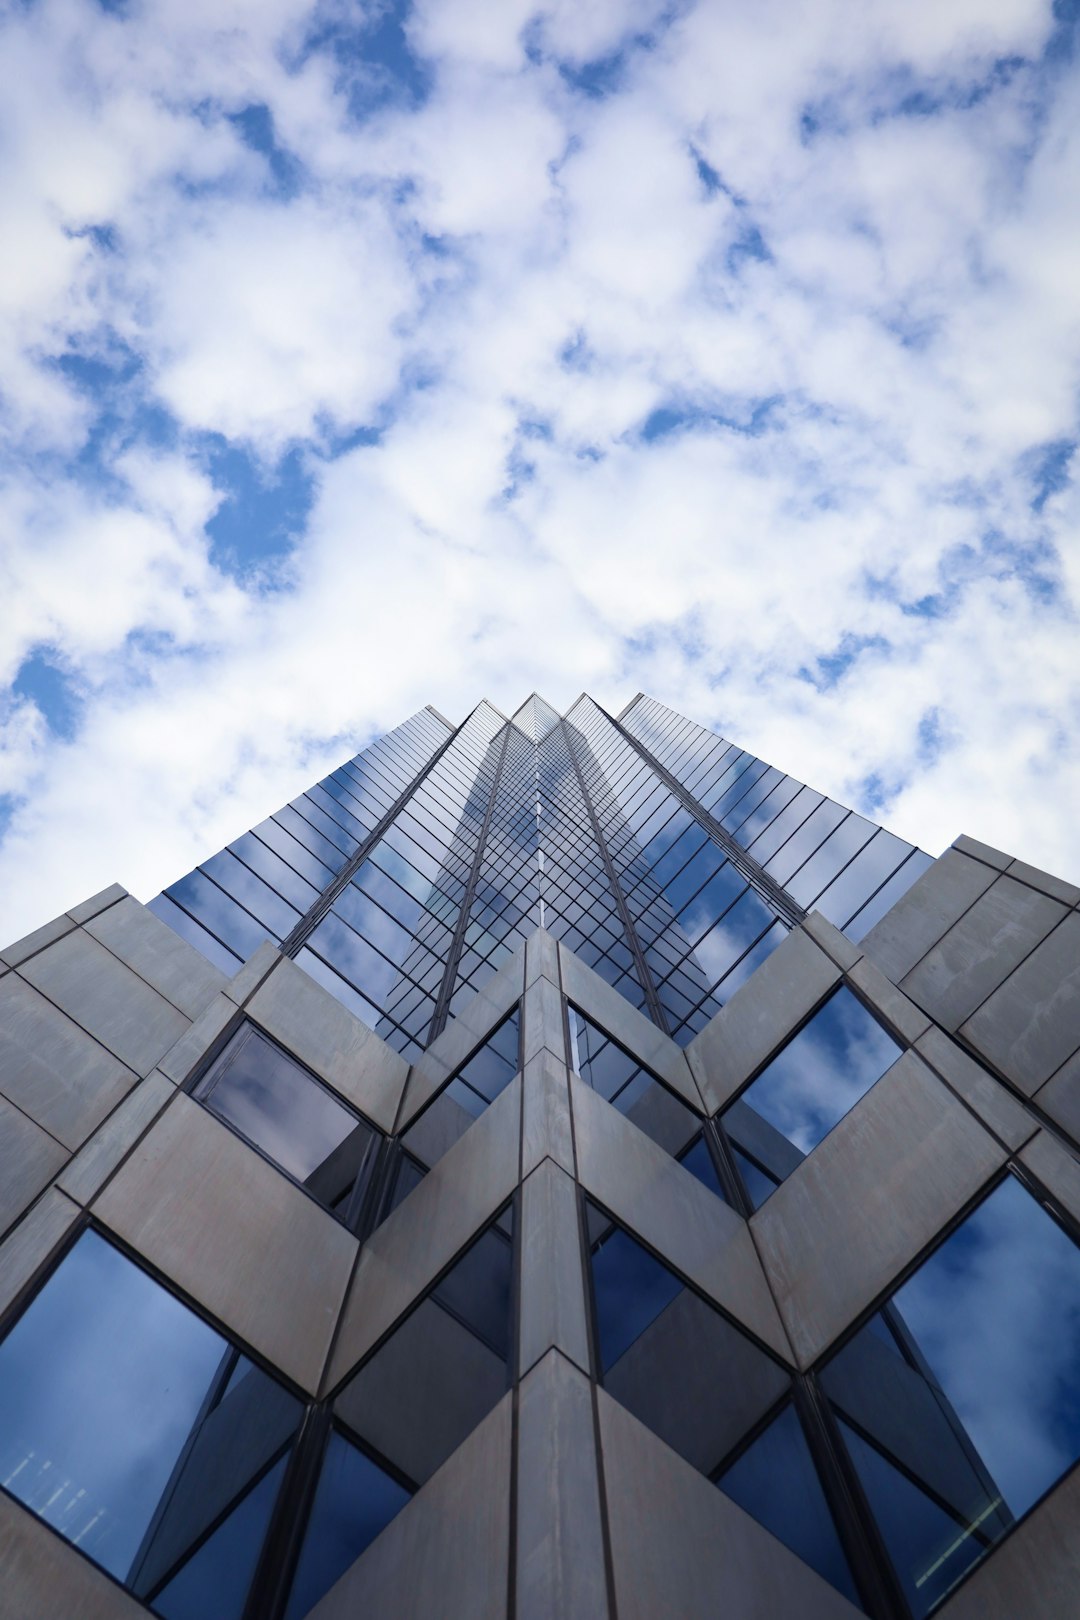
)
(559, 1165)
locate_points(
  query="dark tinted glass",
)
(672, 1359)
(963, 1397)
(775, 1480)
(355, 1499)
(631, 1288)
(492, 1068)
(633, 1090)
(698, 1160)
(265, 1095)
(133, 1428)
(215, 1580)
(810, 1084)
(428, 1386)
(465, 1096)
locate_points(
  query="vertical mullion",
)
(774, 895)
(656, 1010)
(446, 988)
(318, 909)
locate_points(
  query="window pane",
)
(811, 1084)
(966, 1392)
(277, 1105)
(131, 1427)
(775, 1480)
(444, 1368)
(672, 1359)
(216, 1579)
(355, 1499)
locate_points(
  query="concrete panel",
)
(613, 1013)
(552, 1285)
(1060, 1097)
(986, 1097)
(29, 1158)
(106, 999)
(1031, 1025)
(33, 1242)
(560, 1545)
(680, 1547)
(891, 1004)
(479, 1016)
(542, 1014)
(545, 1124)
(94, 1164)
(982, 852)
(244, 983)
(181, 1060)
(53, 1070)
(831, 940)
(341, 1050)
(980, 951)
(448, 1551)
(759, 1017)
(424, 1233)
(868, 1199)
(234, 1233)
(1056, 1168)
(1035, 1573)
(927, 911)
(152, 950)
(30, 944)
(1046, 883)
(45, 1579)
(671, 1210)
(97, 902)
(541, 958)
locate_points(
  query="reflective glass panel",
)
(444, 1368)
(354, 1500)
(669, 1357)
(810, 1084)
(266, 1096)
(775, 1480)
(138, 1432)
(633, 1090)
(962, 1398)
(466, 1095)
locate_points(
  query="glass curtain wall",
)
(669, 860)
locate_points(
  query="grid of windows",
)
(384, 944)
(667, 859)
(261, 885)
(826, 857)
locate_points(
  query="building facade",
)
(557, 1166)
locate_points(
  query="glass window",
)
(298, 1123)
(776, 1482)
(809, 1085)
(444, 1368)
(465, 1095)
(699, 1161)
(633, 1090)
(140, 1434)
(354, 1500)
(961, 1400)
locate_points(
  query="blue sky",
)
(355, 356)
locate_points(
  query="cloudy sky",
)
(365, 354)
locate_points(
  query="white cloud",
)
(509, 276)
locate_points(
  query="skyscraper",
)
(557, 1166)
